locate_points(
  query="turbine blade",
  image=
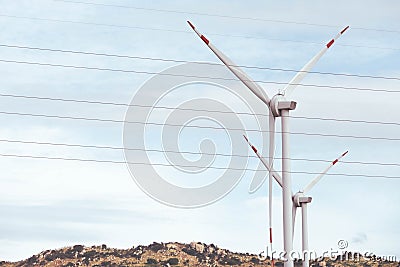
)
(254, 87)
(294, 209)
(316, 179)
(271, 162)
(304, 71)
(276, 175)
(257, 182)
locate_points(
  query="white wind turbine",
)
(278, 107)
(299, 199)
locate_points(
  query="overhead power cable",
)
(170, 165)
(195, 62)
(192, 109)
(187, 152)
(182, 31)
(196, 126)
(192, 76)
(223, 16)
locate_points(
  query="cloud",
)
(360, 238)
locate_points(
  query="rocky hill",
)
(166, 254)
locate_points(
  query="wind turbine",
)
(299, 200)
(278, 107)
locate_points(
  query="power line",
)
(191, 109)
(92, 23)
(346, 120)
(223, 16)
(195, 62)
(186, 32)
(193, 76)
(170, 165)
(197, 126)
(187, 152)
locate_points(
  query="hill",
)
(165, 254)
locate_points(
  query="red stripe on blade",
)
(270, 235)
(335, 161)
(344, 154)
(344, 30)
(254, 149)
(204, 39)
(330, 43)
(191, 25)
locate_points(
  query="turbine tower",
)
(278, 106)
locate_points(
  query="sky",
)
(54, 195)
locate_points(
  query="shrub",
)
(190, 251)
(32, 259)
(173, 261)
(151, 261)
(230, 261)
(90, 253)
(78, 248)
(155, 247)
(255, 260)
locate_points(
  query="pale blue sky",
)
(48, 204)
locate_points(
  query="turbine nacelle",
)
(299, 198)
(279, 102)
